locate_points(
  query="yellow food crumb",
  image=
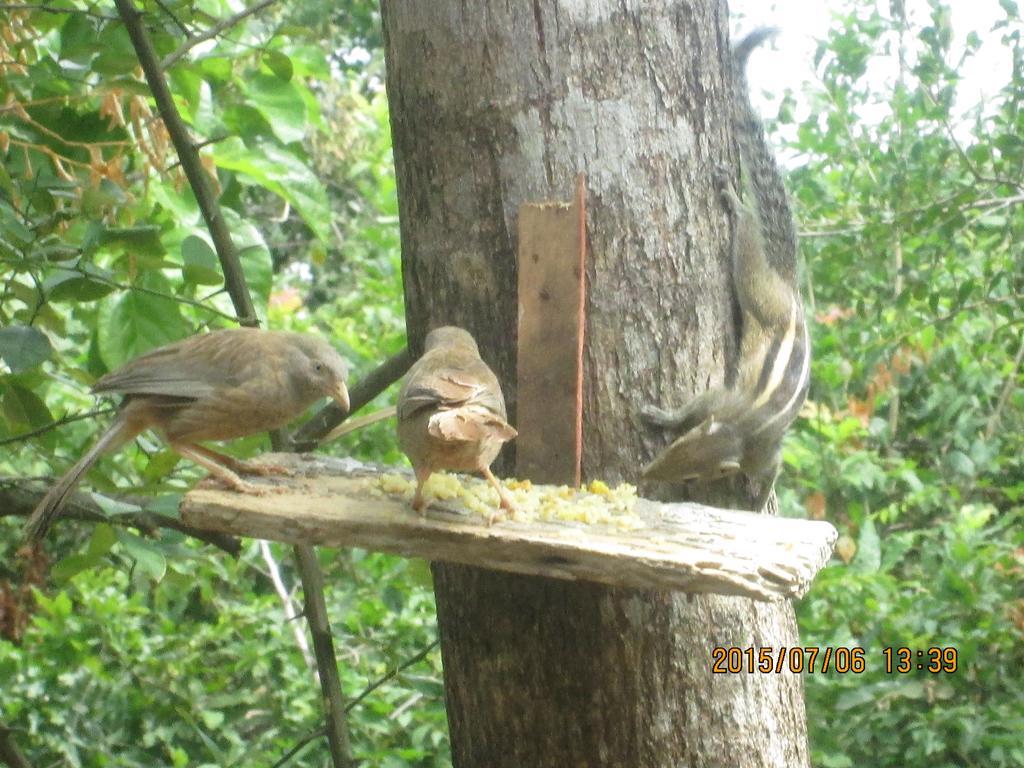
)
(594, 504)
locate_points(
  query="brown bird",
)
(451, 414)
(213, 386)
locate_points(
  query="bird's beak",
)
(339, 393)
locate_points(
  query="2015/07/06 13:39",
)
(899, 660)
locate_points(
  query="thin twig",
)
(51, 9)
(200, 145)
(1004, 396)
(290, 611)
(300, 745)
(213, 31)
(100, 278)
(1014, 298)
(406, 705)
(170, 14)
(55, 424)
(393, 673)
(389, 675)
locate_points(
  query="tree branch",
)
(10, 754)
(191, 164)
(212, 32)
(238, 289)
(323, 647)
(19, 497)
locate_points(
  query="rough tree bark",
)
(496, 103)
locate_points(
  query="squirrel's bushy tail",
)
(761, 175)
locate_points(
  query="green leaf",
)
(212, 719)
(201, 264)
(98, 201)
(23, 347)
(279, 64)
(71, 566)
(137, 322)
(961, 463)
(102, 539)
(78, 38)
(6, 185)
(258, 267)
(85, 284)
(281, 104)
(112, 507)
(257, 263)
(869, 554)
(418, 571)
(284, 174)
(117, 54)
(141, 241)
(12, 228)
(23, 408)
(166, 504)
(148, 559)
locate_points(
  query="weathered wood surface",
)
(687, 547)
(551, 257)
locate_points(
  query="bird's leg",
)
(201, 456)
(418, 502)
(241, 466)
(506, 502)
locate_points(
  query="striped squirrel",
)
(740, 429)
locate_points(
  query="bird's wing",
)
(196, 367)
(470, 423)
(446, 378)
(443, 390)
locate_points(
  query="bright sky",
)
(789, 61)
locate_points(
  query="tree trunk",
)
(494, 104)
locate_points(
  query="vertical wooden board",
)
(549, 413)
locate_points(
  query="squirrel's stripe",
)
(785, 414)
(780, 362)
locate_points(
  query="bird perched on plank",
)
(213, 386)
(451, 414)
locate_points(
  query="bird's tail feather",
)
(47, 510)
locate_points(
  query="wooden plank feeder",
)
(679, 546)
(638, 543)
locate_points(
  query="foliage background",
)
(138, 651)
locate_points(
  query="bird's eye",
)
(318, 367)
